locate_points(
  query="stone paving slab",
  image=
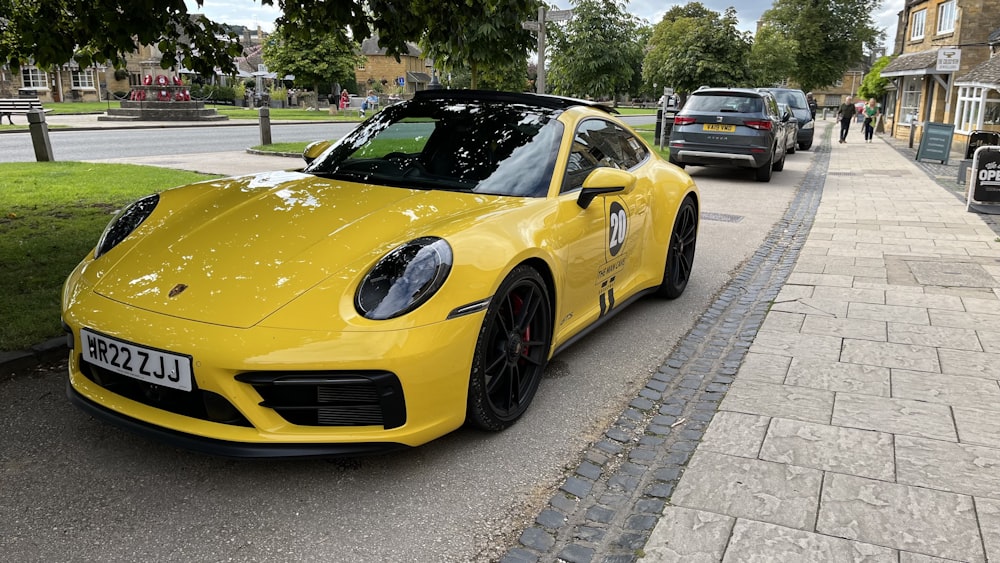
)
(748, 488)
(768, 543)
(907, 518)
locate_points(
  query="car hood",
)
(231, 252)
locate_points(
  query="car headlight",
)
(809, 125)
(404, 279)
(124, 223)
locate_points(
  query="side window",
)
(601, 143)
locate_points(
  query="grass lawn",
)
(51, 214)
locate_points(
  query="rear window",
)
(725, 102)
(794, 98)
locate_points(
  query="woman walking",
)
(872, 114)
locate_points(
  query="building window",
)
(82, 79)
(909, 101)
(34, 78)
(946, 17)
(361, 64)
(977, 108)
(917, 25)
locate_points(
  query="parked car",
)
(415, 276)
(790, 127)
(796, 99)
(730, 126)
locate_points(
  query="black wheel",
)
(511, 352)
(805, 146)
(791, 149)
(680, 254)
(675, 163)
(780, 164)
(763, 174)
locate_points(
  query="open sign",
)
(985, 185)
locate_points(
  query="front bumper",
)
(428, 366)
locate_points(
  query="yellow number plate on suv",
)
(719, 127)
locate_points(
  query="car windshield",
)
(488, 147)
(725, 102)
(793, 98)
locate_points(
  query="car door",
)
(602, 243)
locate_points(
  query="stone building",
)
(939, 43)
(403, 77)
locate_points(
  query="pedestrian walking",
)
(845, 114)
(872, 113)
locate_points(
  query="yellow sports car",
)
(415, 276)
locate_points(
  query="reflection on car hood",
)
(231, 252)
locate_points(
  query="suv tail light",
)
(759, 125)
(683, 120)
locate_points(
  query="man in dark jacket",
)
(813, 106)
(845, 114)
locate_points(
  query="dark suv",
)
(796, 99)
(735, 126)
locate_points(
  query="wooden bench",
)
(20, 106)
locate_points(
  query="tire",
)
(763, 174)
(805, 146)
(680, 253)
(791, 149)
(511, 352)
(675, 163)
(780, 165)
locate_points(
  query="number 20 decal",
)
(618, 225)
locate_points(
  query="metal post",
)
(40, 136)
(265, 125)
(540, 81)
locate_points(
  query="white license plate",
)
(139, 362)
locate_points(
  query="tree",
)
(693, 46)
(481, 35)
(53, 32)
(873, 85)
(831, 35)
(320, 60)
(597, 54)
(772, 57)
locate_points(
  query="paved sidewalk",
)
(864, 422)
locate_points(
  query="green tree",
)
(484, 36)
(54, 32)
(597, 53)
(693, 46)
(772, 57)
(831, 35)
(320, 60)
(873, 85)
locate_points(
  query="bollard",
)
(265, 125)
(40, 136)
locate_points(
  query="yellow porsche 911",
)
(415, 276)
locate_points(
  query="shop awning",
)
(912, 64)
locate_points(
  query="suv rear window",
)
(794, 98)
(725, 103)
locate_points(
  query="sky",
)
(251, 13)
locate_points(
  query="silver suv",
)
(730, 126)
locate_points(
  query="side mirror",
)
(314, 149)
(604, 180)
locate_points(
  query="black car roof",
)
(541, 100)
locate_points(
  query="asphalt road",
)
(75, 489)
